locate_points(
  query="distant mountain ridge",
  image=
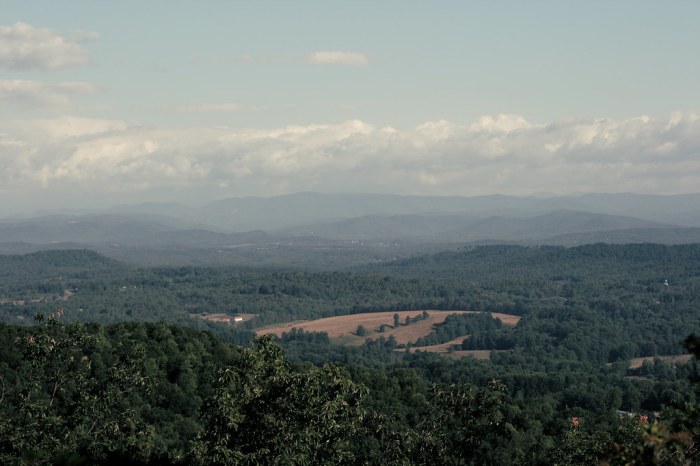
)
(311, 227)
(294, 210)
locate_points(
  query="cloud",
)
(337, 58)
(500, 123)
(24, 47)
(496, 154)
(35, 94)
(55, 130)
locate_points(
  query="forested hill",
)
(486, 263)
(44, 264)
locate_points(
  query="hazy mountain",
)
(636, 235)
(682, 209)
(86, 228)
(456, 228)
(312, 229)
(545, 226)
(385, 226)
(241, 214)
(304, 209)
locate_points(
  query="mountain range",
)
(314, 229)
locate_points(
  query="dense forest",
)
(105, 362)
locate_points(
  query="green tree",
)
(264, 412)
(466, 425)
(62, 411)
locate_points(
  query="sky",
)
(106, 103)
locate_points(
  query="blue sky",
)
(203, 100)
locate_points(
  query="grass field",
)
(342, 328)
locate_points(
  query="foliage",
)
(263, 412)
(59, 409)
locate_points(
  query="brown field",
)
(342, 328)
(636, 363)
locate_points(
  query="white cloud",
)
(34, 94)
(22, 46)
(494, 155)
(337, 58)
(502, 123)
(56, 129)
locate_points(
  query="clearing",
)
(636, 363)
(224, 318)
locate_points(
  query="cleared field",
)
(444, 350)
(224, 318)
(441, 348)
(675, 359)
(343, 328)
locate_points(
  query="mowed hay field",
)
(342, 328)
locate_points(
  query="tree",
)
(264, 412)
(63, 411)
(466, 425)
(396, 320)
(361, 331)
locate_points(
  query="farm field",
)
(342, 328)
(636, 363)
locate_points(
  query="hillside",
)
(54, 263)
